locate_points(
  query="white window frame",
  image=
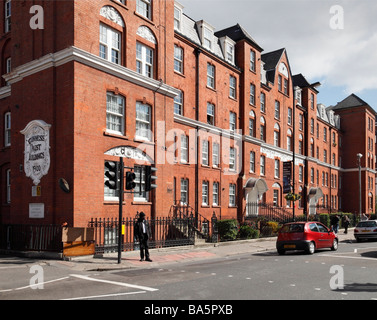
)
(262, 165)
(205, 194)
(142, 196)
(207, 38)
(184, 148)
(277, 168)
(144, 8)
(110, 42)
(252, 60)
(144, 60)
(232, 195)
(113, 114)
(232, 121)
(210, 113)
(232, 159)
(205, 152)
(177, 18)
(178, 59)
(252, 161)
(211, 74)
(8, 184)
(232, 87)
(178, 104)
(7, 129)
(184, 191)
(263, 102)
(252, 94)
(215, 155)
(143, 124)
(215, 194)
(7, 15)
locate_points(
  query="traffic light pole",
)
(121, 198)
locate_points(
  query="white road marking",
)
(347, 257)
(122, 284)
(106, 295)
(34, 285)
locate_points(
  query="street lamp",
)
(359, 156)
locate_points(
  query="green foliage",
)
(228, 229)
(248, 232)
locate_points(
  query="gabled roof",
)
(271, 60)
(237, 33)
(352, 101)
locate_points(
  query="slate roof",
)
(350, 102)
(271, 60)
(237, 33)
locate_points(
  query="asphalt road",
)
(348, 274)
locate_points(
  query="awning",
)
(315, 194)
(257, 184)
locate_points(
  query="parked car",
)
(366, 230)
(308, 236)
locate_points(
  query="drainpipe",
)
(197, 67)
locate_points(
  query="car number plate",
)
(365, 231)
(289, 246)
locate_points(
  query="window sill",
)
(140, 202)
(115, 135)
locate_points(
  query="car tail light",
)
(375, 230)
(355, 231)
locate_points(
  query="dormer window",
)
(208, 38)
(206, 33)
(228, 48)
(229, 52)
(178, 8)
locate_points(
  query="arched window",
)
(289, 140)
(262, 129)
(276, 135)
(146, 46)
(110, 46)
(252, 124)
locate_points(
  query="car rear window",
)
(292, 228)
(366, 224)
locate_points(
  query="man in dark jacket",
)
(142, 234)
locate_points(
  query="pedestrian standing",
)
(346, 223)
(142, 234)
(335, 223)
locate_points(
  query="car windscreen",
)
(366, 224)
(292, 228)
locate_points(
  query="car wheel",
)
(334, 245)
(311, 248)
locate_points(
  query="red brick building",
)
(216, 115)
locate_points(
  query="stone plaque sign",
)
(37, 150)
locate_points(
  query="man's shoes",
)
(142, 259)
(149, 260)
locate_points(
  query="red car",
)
(308, 236)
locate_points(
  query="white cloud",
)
(345, 58)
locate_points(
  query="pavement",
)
(166, 256)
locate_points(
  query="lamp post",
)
(359, 156)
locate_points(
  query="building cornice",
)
(78, 55)
(5, 92)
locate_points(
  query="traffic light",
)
(130, 180)
(112, 174)
(150, 178)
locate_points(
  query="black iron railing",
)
(31, 238)
(165, 232)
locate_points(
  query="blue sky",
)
(333, 42)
